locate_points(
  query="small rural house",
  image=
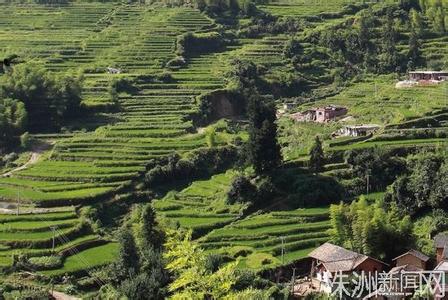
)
(359, 130)
(320, 114)
(428, 75)
(422, 78)
(305, 116)
(412, 259)
(328, 113)
(329, 259)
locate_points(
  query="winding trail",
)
(35, 155)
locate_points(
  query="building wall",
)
(439, 252)
(409, 259)
(320, 116)
(370, 265)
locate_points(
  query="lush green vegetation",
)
(124, 103)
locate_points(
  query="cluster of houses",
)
(328, 260)
(423, 78)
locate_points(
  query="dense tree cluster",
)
(189, 43)
(370, 228)
(48, 98)
(423, 185)
(376, 167)
(13, 121)
(197, 164)
(264, 150)
(139, 271)
(259, 192)
(317, 156)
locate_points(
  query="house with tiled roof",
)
(329, 259)
(413, 259)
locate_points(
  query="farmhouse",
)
(306, 116)
(359, 130)
(428, 75)
(412, 259)
(329, 259)
(328, 113)
(320, 114)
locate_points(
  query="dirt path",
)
(35, 154)
(62, 296)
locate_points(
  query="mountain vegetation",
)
(155, 149)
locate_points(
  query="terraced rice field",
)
(294, 8)
(33, 235)
(223, 228)
(202, 206)
(261, 235)
(151, 123)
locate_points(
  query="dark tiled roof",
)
(415, 253)
(336, 258)
(441, 239)
(328, 252)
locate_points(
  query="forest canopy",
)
(48, 98)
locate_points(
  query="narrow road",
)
(35, 154)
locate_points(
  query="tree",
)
(366, 24)
(416, 22)
(245, 76)
(389, 58)
(264, 151)
(422, 186)
(414, 53)
(194, 279)
(369, 228)
(439, 20)
(292, 48)
(127, 264)
(151, 235)
(381, 167)
(241, 190)
(317, 156)
(143, 287)
(423, 5)
(13, 120)
(48, 98)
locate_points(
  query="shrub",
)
(240, 251)
(195, 43)
(25, 140)
(9, 158)
(266, 261)
(45, 262)
(241, 190)
(214, 261)
(198, 164)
